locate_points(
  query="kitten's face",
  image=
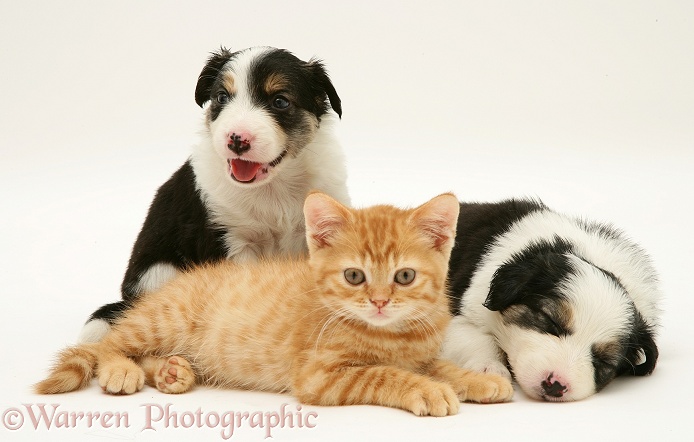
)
(382, 265)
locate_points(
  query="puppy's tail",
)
(73, 370)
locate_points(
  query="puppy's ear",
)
(508, 285)
(321, 78)
(209, 74)
(537, 274)
(642, 352)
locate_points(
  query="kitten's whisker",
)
(422, 322)
(331, 318)
(347, 317)
(331, 306)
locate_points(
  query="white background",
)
(588, 105)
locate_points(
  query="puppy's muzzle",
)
(239, 143)
(553, 388)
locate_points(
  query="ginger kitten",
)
(360, 322)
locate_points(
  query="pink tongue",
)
(244, 170)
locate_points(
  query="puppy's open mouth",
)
(249, 171)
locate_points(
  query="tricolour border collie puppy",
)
(266, 142)
(567, 304)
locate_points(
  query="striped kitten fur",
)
(360, 322)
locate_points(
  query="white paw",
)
(493, 367)
(93, 331)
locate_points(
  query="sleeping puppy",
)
(567, 304)
(266, 142)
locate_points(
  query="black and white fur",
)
(266, 142)
(564, 303)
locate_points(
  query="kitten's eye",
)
(405, 276)
(280, 102)
(222, 98)
(354, 276)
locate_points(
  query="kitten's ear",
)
(437, 219)
(324, 217)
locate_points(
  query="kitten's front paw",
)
(122, 376)
(486, 388)
(174, 375)
(432, 399)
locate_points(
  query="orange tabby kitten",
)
(360, 322)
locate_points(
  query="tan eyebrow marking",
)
(274, 83)
(228, 82)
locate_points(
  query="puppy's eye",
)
(604, 372)
(354, 276)
(552, 326)
(405, 276)
(222, 98)
(280, 102)
(604, 363)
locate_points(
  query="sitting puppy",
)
(568, 304)
(266, 143)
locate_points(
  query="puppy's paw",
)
(121, 376)
(432, 399)
(173, 375)
(489, 366)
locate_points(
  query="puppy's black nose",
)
(238, 144)
(552, 387)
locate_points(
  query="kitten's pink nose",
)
(380, 303)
